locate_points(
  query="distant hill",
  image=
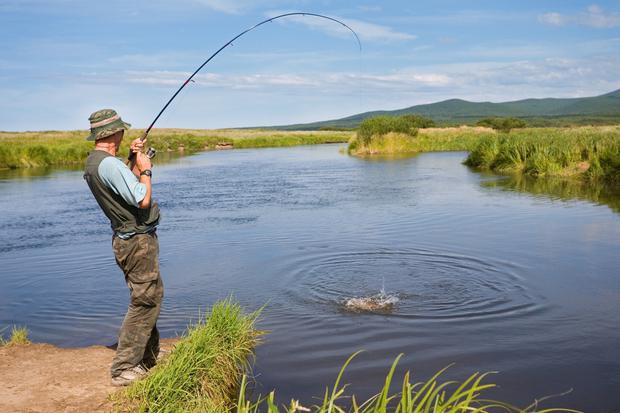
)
(603, 109)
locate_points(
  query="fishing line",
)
(230, 42)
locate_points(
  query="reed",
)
(424, 140)
(589, 153)
(204, 370)
(431, 396)
(19, 336)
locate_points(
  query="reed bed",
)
(56, 148)
(591, 153)
(431, 396)
(462, 138)
(203, 372)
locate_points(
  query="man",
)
(124, 195)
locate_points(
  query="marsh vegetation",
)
(57, 148)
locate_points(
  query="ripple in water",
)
(423, 284)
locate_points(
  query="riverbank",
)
(45, 378)
(200, 371)
(587, 153)
(66, 148)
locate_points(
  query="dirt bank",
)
(44, 378)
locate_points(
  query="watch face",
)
(147, 172)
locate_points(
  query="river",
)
(491, 274)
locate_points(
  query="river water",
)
(490, 273)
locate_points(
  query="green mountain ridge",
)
(603, 109)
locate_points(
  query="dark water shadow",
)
(560, 189)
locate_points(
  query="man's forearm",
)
(146, 201)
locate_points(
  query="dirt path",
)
(44, 378)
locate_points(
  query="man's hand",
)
(137, 145)
(143, 162)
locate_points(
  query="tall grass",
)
(425, 140)
(40, 149)
(590, 153)
(203, 372)
(431, 396)
(19, 336)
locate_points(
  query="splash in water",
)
(382, 302)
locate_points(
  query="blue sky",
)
(62, 59)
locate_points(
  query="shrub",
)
(502, 124)
(382, 125)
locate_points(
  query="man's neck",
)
(106, 147)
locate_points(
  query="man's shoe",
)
(128, 376)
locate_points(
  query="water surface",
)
(490, 274)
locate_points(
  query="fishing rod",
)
(151, 152)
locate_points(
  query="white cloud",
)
(365, 30)
(554, 19)
(594, 16)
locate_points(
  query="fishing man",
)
(124, 195)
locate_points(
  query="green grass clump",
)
(382, 125)
(588, 152)
(432, 396)
(203, 372)
(19, 336)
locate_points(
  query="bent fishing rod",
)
(151, 152)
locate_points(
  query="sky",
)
(60, 60)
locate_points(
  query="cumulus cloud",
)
(593, 16)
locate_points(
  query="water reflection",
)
(560, 189)
(41, 172)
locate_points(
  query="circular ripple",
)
(429, 285)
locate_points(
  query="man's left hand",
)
(137, 145)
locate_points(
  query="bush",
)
(502, 124)
(420, 121)
(382, 125)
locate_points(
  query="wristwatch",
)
(146, 172)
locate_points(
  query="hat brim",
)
(107, 130)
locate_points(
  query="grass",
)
(426, 140)
(55, 148)
(432, 395)
(590, 153)
(19, 336)
(203, 373)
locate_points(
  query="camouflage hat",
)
(105, 122)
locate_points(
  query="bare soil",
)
(45, 378)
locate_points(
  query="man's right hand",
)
(143, 162)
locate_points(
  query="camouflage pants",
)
(138, 340)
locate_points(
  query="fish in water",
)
(382, 302)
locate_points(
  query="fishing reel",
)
(151, 152)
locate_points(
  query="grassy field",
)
(53, 148)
